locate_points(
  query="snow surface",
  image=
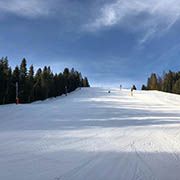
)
(92, 135)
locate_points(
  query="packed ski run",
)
(92, 135)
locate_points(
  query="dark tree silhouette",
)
(44, 84)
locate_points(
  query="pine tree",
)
(4, 80)
(23, 88)
(39, 87)
(152, 82)
(85, 82)
(176, 87)
(56, 85)
(66, 79)
(8, 93)
(51, 86)
(61, 84)
(167, 84)
(30, 84)
(44, 83)
(15, 79)
(144, 87)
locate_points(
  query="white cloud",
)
(148, 15)
(27, 8)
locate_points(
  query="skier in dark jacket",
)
(132, 91)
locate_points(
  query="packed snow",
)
(92, 135)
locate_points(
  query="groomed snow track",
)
(92, 135)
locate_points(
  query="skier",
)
(120, 87)
(132, 91)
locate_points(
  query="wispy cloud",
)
(150, 16)
(31, 8)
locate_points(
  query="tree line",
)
(169, 82)
(39, 85)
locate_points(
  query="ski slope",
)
(92, 135)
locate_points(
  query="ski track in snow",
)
(92, 134)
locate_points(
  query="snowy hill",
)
(92, 135)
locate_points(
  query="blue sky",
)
(112, 42)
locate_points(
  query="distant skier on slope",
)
(132, 89)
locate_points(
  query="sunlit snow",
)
(92, 135)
